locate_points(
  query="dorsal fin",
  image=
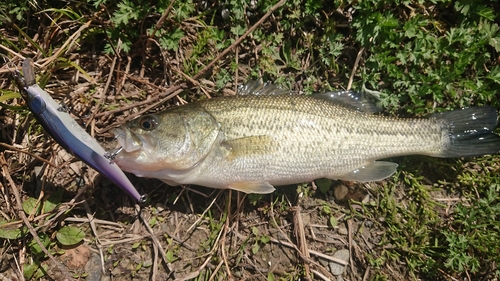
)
(351, 99)
(253, 87)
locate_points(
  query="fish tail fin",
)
(471, 131)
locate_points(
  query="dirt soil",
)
(205, 235)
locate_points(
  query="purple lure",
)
(67, 132)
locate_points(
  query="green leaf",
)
(170, 41)
(333, 221)
(265, 239)
(67, 12)
(410, 29)
(255, 231)
(327, 209)
(494, 74)
(70, 235)
(31, 206)
(35, 247)
(487, 13)
(10, 233)
(495, 43)
(152, 221)
(8, 95)
(34, 271)
(170, 256)
(13, 233)
(126, 11)
(255, 248)
(323, 184)
(238, 30)
(53, 201)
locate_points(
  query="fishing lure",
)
(67, 132)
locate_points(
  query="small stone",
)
(342, 231)
(366, 199)
(340, 192)
(75, 258)
(323, 262)
(159, 207)
(93, 268)
(335, 268)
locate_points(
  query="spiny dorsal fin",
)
(350, 99)
(253, 87)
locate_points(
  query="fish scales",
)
(314, 125)
(265, 137)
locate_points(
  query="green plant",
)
(64, 236)
(259, 240)
(420, 59)
(474, 234)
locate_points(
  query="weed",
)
(473, 232)
(259, 240)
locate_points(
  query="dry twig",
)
(8, 146)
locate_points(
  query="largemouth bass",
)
(265, 137)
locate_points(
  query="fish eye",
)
(148, 123)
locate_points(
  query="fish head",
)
(174, 140)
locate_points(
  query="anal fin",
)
(378, 170)
(252, 187)
(169, 182)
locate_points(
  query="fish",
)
(266, 137)
(67, 132)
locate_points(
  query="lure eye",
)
(148, 123)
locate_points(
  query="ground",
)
(435, 219)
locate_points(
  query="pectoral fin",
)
(252, 187)
(248, 146)
(375, 171)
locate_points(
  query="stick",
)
(153, 237)
(354, 68)
(8, 146)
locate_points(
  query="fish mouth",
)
(128, 140)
